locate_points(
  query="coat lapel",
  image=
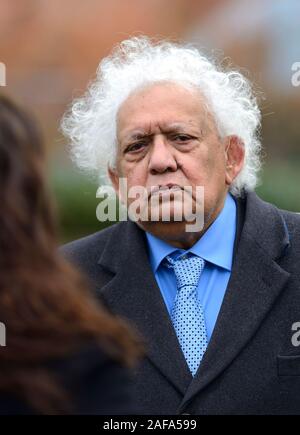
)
(256, 281)
(134, 294)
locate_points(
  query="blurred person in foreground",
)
(63, 353)
(218, 306)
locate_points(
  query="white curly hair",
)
(90, 122)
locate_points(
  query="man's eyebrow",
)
(138, 135)
(135, 135)
(167, 128)
(186, 128)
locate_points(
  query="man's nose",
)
(162, 157)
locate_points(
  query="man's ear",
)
(234, 157)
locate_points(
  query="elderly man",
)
(216, 304)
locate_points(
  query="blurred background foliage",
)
(51, 51)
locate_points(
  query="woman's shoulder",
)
(94, 382)
(98, 383)
(85, 358)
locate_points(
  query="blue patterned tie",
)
(187, 314)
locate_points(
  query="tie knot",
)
(187, 269)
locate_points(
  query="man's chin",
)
(162, 227)
(168, 211)
(169, 217)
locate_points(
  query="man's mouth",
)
(162, 189)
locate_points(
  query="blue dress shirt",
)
(216, 248)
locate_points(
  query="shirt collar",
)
(215, 246)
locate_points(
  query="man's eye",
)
(181, 138)
(135, 147)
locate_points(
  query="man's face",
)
(167, 137)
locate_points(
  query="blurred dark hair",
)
(45, 304)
